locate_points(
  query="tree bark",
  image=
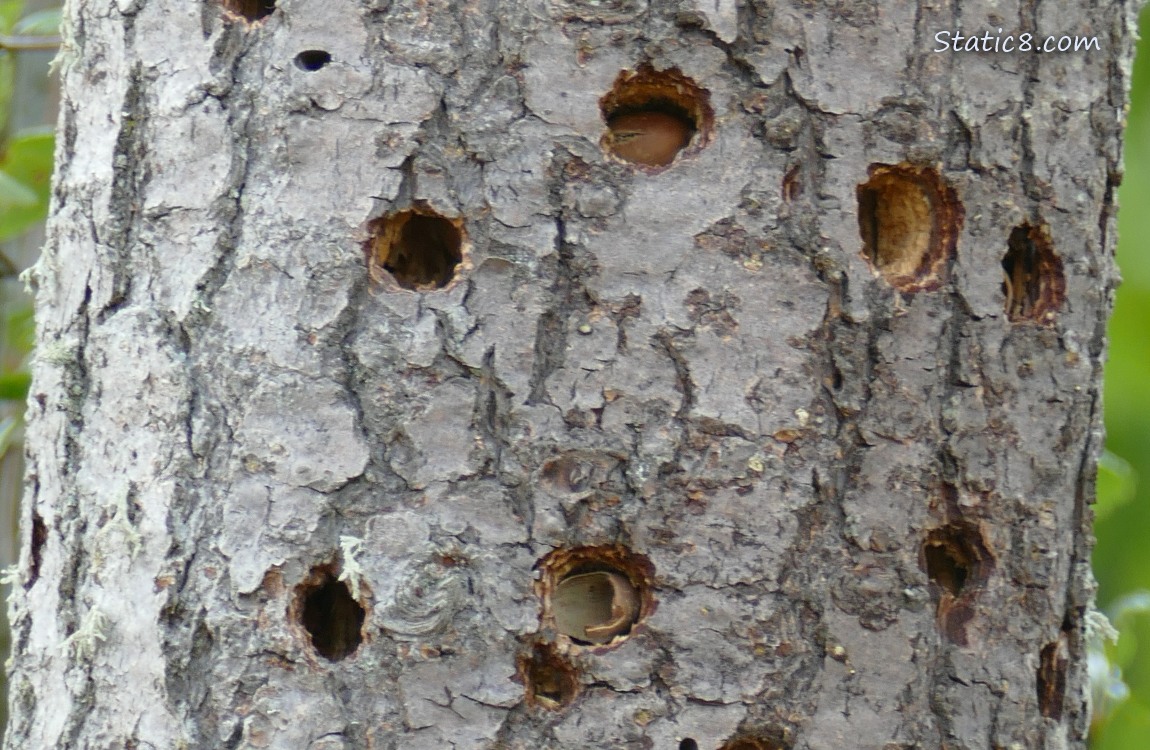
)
(782, 439)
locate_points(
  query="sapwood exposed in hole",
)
(595, 595)
(1032, 279)
(420, 250)
(909, 221)
(252, 10)
(550, 680)
(596, 606)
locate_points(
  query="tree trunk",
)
(569, 375)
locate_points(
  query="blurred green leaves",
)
(25, 173)
(1120, 672)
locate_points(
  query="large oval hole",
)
(331, 616)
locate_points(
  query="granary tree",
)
(570, 374)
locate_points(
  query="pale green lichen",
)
(352, 572)
(82, 643)
(10, 575)
(121, 522)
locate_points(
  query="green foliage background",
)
(1120, 670)
(1122, 521)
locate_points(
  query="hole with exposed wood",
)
(909, 221)
(594, 596)
(550, 680)
(652, 116)
(418, 248)
(250, 10)
(1032, 281)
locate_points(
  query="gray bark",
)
(853, 504)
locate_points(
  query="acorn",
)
(595, 607)
(648, 138)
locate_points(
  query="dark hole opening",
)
(39, 537)
(551, 681)
(956, 558)
(332, 618)
(1032, 281)
(688, 744)
(312, 59)
(944, 569)
(1020, 273)
(252, 10)
(420, 252)
(1051, 680)
(747, 743)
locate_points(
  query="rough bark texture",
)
(864, 511)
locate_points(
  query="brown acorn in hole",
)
(595, 607)
(650, 138)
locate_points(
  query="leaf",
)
(14, 385)
(10, 12)
(29, 161)
(15, 194)
(1117, 483)
(8, 430)
(40, 23)
(19, 330)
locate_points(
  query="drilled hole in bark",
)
(909, 221)
(1032, 281)
(957, 561)
(312, 60)
(751, 743)
(688, 744)
(550, 680)
(329, 614)
(955, 556)
(566, 474)
(653, 115)
(418, 248)
(1052, 665)
(252, 10)
(595, 595)
(38, 537)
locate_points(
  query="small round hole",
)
(550, 680)
(909, 219)
(312, 60)
(688, 744)
(1032, 278)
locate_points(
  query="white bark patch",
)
(303, 433)
(458, 702)
(723, 18)
(195, 175)
(440, 435)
